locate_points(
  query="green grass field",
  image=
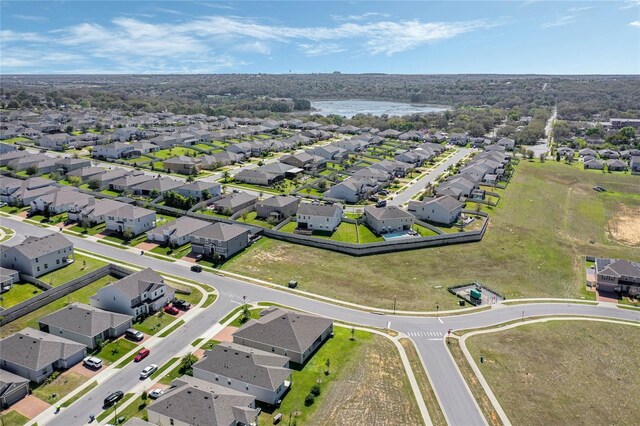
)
(18, 293)
(559, 372)
(174, 152)
(154, 323)
(346, 232)
(13, 418)
(113, 351)
(536, 237)
(90, 231)
(81, 266)
(58, 388)
(31, 319)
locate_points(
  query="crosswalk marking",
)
(425, 334)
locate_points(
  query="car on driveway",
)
(141, 355)
(156, 393)
(112, 398)
(182, 304)
(92, 362)
(147, 371)
(171, 310)
(134, 335)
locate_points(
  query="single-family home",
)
(220, 159)
(57, 141)
(129, 181)
(158, 186)
(69, 164)
(128, 217)
(87, 173)
(352, 190)
(8, 277)
(37, 256)
(137, 294)
(176, 232)
(329, 152)
(85, 324)
(635, 164)
(615, 165)
(619, 276)
(277, 207)
(12, 388)
(220, 239)
(257, 177)
(200, 190)
(388, 219)
(182, 164)
(593, 164)
(507, 143)
(263, 374)
(61, 200)
(192, 401)
(319, 217)
(234, 202)
(112, 150)
(284, 332)
(35, 355)
(445, 209)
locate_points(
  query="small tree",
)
(246, 314)
(225, 176)
(127, 234)
(85, 224)
(74, 180)
(309, 400)
(186, 364)
(32, 170)
(543, 157)
(328, 365)
(315, 390)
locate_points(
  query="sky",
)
(415, 37)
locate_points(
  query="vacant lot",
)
(563, 372)
(546, 220)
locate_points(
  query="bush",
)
(309, 400)
(315, 390)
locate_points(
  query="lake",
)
(349, 108)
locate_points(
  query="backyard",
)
(18, 293)
(546, 220)
(366, 384)
(31, 319)
(346, 232)
(563, 372)
(81, 266)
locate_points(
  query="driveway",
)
(30, 406)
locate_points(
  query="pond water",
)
(349, 108)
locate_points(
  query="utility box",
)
(475, 294)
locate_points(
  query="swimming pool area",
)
(400, 234)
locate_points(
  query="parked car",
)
(156, 393)
(171, 310)
(147, 371)
(92, 362)
(141, 355)
(196, 268)
(113, 397)
(133, 334)
(381, 203)
(182, 304)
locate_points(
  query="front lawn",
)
(31, 319)
(81, 266)
(13, 418)
(113, 351)
(18, 293)
(253, 314)
(117, 238)
(154, 323)
(178, 252)
(58, 388)
(89, 231)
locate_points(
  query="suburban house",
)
(38, 256)
(635, 165)
(70, 164)
(619, 276)
(192, 401)
(234, 202)
(158, 186)
(220, 159)
(112, 150)
(593, 164)
(35, 355)
(352, 190)
(445, 209)
(615, 165)
(304, 160)
(220, 238)
(61, 200)
(176, 232)
(259, 373)
(8, 277)
(12, 388)
(57, 141)
(200, 190)
(86, 173)
(277, 207)
(458, 185)
(85, 324)
(387, 219)
(95, 211)
(319, 217)
(507, 143)
(129, 181)
(127, 217)
(284, 332)
(137, 294)
(257, 177)
(329, 152)
(182, 164)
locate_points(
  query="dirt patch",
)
(372, 391)
(625, 226)
(23, 214)
(226, 335)
(147, 246)
(30, 406)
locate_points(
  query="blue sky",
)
(541, 37)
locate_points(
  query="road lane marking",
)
(441, 322)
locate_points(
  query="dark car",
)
(113, 397)
(196, 268)
(182, 304)
(381, 203)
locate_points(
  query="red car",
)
(142, 355)
(172, 310)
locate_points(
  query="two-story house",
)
(37, 256)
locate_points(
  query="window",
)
(171, 421)
(57, 261)
(38, 269)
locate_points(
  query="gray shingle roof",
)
(33, 247)
(34, 349)
(135, 284)
(323, 210)
(198, 402)
(285, 329)
(180, 227)
(278, 201)
(253, 366)
(84, 319)
(389, 212)
(220, 231)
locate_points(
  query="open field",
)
(537, 234)
(366, 385)
(81, 266)
(563, 372)
(31, 319)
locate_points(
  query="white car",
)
(92, 362)
(148, 371)
(156, 393)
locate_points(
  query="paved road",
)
(430, 177)
(458, 404)
(543, 146)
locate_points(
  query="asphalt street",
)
(458, 404)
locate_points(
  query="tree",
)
(32, 170)
(315, 390)
(186, 364)
(74, 180)
(190, 178)
(246, 314)
(206, 194)
(94, 184)
(127, 234)
(328, 365)
(225, 176)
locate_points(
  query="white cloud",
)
(560, 21)
(579, 9)
(254, 47)
(635, 23)
(628, 4)
(12, 36)
(32, 18)
(321, 49)
(362, 17)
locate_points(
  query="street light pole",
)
(394, 304)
